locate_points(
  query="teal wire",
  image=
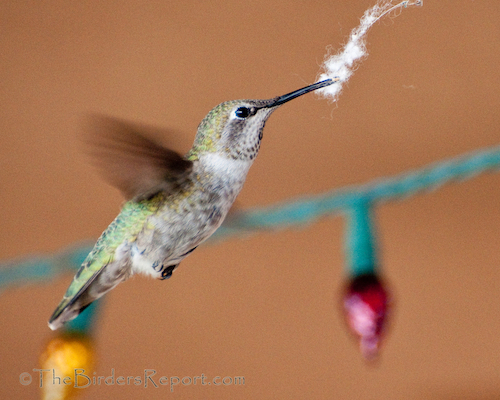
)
(360, 244)
(307, 210)
(297, 212)
(39, 269)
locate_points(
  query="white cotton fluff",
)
(341, 64)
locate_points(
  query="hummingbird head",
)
(234, 128)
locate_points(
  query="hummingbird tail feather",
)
(81, 294)
(74, 303)
(66, 313)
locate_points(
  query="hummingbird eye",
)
(244, 112)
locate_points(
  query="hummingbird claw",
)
(167, 272)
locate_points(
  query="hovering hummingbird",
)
(173, 203)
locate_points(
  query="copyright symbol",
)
(25, 378)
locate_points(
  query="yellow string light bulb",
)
(66, 363)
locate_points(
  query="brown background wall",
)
(263, 307)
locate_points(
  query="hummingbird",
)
(173, 202)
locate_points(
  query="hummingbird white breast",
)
(181, 224)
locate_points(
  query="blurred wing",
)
(136, 165)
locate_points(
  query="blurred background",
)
(265, 307)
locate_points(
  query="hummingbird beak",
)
(296, 93)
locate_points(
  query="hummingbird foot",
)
(167, 272)
(144, 265)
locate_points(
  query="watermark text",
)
(81, 379)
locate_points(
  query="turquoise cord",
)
(297, 212)
(360, 246)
